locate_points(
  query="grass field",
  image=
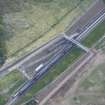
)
(91, 90)
(9, 84)
(95, 35)
(37, 22)
(56, 70)
(2, 43)
(3, 100)
(104, 1)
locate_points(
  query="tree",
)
(2, 44)
(104, 1)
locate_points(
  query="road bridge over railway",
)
(76, 43)
(55, 58)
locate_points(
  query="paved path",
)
(87, 18)
(94, 8)
(90, 14)
(71, 76)
(76, 70)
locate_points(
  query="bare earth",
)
(65, 99)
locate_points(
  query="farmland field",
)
(29, 24)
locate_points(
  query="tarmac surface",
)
(89, 17)
(27, 63)
(83, 23)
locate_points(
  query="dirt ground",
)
(65, 99)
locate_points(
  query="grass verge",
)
(2, 43)
(53, 73)
(9, 84)
(29, 30)
(95, 35)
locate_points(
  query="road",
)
(8, 67)
(55, 59)
(70, 77)
(47, 67)
(41, 73)
(84, 21)
(92, 16)
(76, 43)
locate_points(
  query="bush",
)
(2, 43)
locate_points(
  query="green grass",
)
(104, 1)
(95, 35)
(10, 79)
(9, 84)
(55, 71)
(37, 22)
(2, 42)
